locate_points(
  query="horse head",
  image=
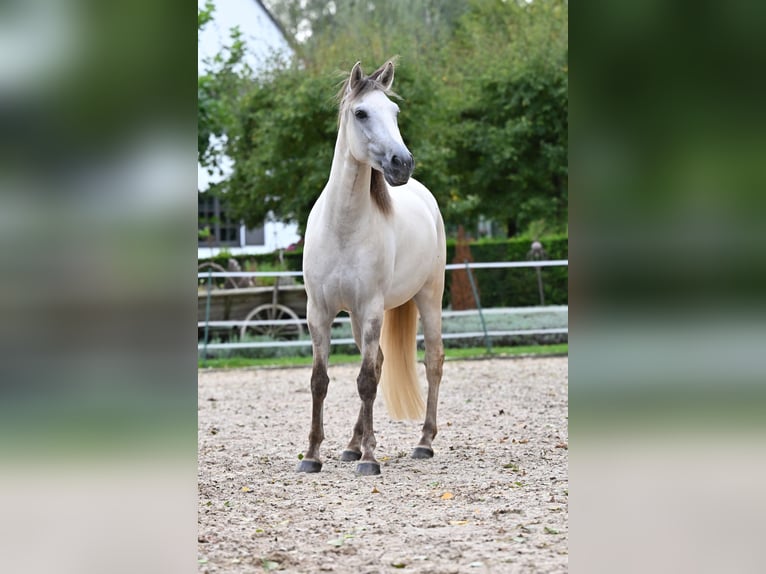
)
(369, 118)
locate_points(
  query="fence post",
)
(537, 253)
(207, 311)
(487, 340)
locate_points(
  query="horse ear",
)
(386, 75)
(356, 76)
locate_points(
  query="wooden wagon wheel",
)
(228, 282)
(290, 329)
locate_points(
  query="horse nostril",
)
(396, 161)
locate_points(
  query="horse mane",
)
(379, 192)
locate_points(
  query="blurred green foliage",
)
(484, 88)
(669, 148)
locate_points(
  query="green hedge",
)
(497, 287)
(515, 287)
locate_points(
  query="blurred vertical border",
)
(97, 288)
(667, 334)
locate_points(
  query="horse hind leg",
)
(430, 312)
(353, 451)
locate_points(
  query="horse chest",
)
(348, 276)
(371, 267)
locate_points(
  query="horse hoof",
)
(368, 468)
(350, 455)
(422, 452)
(307, 465)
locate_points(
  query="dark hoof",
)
(367, 468)
(350, 455)
(307, 465)
(422, 452)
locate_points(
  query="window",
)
(255, 236)
(211, 214)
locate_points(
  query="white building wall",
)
(277, 235)
(263, 37)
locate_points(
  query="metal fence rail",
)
(448, 267)
(350, 341)
(446, 314)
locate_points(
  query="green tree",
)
(511, 127)
(219, 93)
(484, 110)
(282, 147)
(286, 123)
(378, 21)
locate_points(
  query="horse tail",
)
(399, 379)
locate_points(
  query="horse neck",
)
(348, 188)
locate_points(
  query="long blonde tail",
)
(399, 379)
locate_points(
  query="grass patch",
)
(338, 359)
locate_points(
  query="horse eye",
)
(360, 114)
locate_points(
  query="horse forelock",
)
(364, 86)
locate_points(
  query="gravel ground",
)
(493, 498)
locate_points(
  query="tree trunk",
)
(512, 230)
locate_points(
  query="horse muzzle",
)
(398, 169)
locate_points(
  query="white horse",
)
(375, 247)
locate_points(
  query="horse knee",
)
(319, 381)
(367, 382)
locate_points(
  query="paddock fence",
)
(489, 323)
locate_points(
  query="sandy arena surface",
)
(493, 498)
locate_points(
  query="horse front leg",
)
(430, 312)
(354, 449)
(319, 327)
(367, 385)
